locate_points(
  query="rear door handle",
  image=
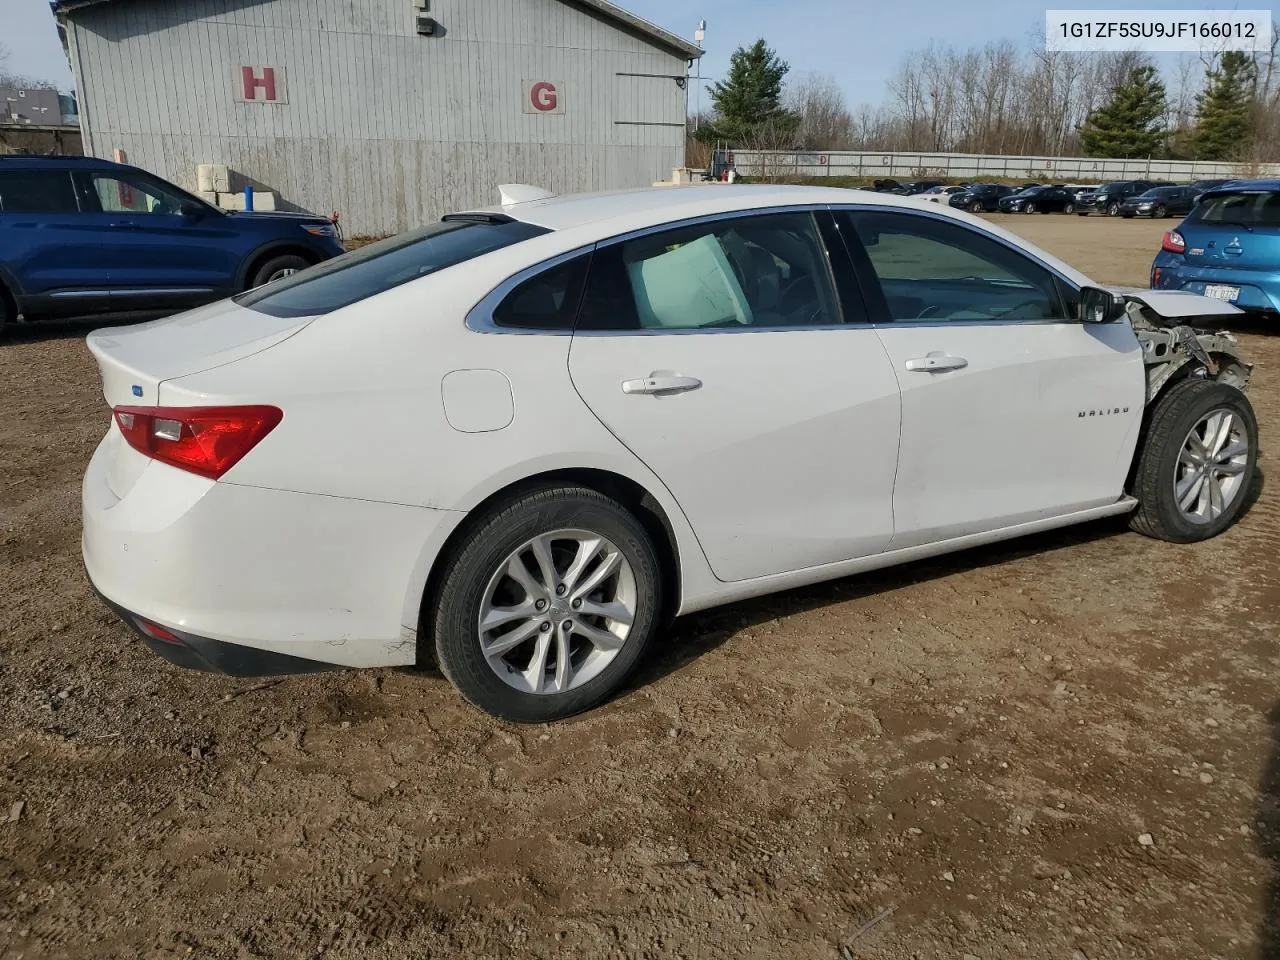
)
(657, 383)
(935, 362)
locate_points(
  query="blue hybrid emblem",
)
(137, 390)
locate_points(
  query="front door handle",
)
(935, 362)
(656, 383)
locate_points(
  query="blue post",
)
(248, 198)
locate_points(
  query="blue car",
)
(1228, 247)
(80, 235)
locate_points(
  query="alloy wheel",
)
(1210, 470)
(557, 611)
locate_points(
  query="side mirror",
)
(1099, 306)
(189, 209)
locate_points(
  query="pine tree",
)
(749, 102)
(1129, 123)
(1224, 124)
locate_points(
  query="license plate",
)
(1221, 291)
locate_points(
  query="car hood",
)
(1178, 304)
(281, 215)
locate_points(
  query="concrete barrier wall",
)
(977, 166)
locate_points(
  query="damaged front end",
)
(1170, 326)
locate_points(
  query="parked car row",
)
(1121, 198)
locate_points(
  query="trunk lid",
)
(135, 360)
(1234, 228)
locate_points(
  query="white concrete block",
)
(208, 196)
(264, 200)
(231, 201)
(213, 177)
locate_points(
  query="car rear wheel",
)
(1159, 213)
(1196, 465)
(548, 605)
(277, 268)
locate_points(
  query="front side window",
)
(753, 272)
(37, 191)
(932, 270)
(129, 194)
(380, 266)
(1244, 208)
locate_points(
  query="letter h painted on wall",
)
(261, 85)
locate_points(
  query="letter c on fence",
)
(884, 161)
(543, 96)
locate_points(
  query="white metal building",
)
(391, 112)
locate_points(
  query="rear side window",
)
(548, 301)
(1247, 208)
(380, 266)
(36, 191)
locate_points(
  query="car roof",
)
(23, 161)
(585, 218)
(617, 211)
(1233, 185)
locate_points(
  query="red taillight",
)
(207, 441)
(1173, 242)
(157, 632)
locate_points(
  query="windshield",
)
(1248, 208)
(1032, 191)
(383, 265)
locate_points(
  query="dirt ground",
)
(1062, 747)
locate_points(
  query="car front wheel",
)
(1069, 208)
(277, 268)
(1113, 209)
(1196, 465)
(1159, 213)
(548, 605)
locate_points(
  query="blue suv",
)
(1228, 247)
(80, 235)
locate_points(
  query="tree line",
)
(998, 99)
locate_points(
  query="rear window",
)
(380, 266)
(36, 191)
(1247, 208)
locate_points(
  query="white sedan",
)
(517, 441)
(939, 194)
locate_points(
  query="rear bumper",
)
(281, 577)
(214, 656)
(1259, 289)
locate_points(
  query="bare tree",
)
(825, 123)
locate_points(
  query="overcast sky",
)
(858, 43)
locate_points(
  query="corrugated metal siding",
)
(390, 128)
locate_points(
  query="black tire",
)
(1159, 213)
(1069, 209)
(458, 600)
(1170, 422)
(6, 316)
(274, 269)
(1113, 209)
(975, 206)
(1029, 208)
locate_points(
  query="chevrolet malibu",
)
(515, 442)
